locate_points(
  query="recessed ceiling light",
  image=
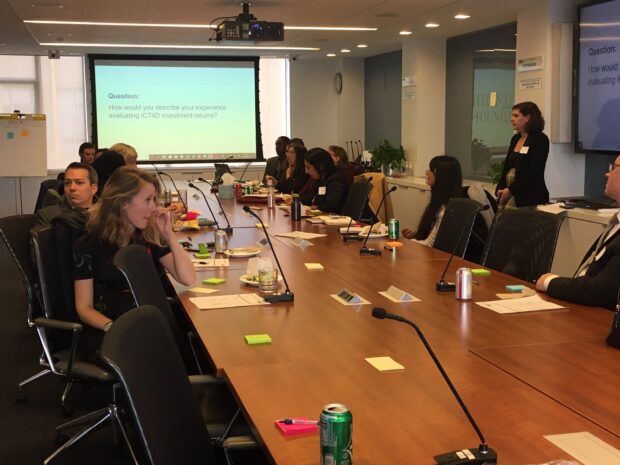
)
(405, 33)
(47, 5)
(362, 46)
(345, 50)
(180, 47)
(462, 16)
(431, 24)
(331, 54)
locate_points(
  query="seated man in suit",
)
(597, 280)
(276, 166)
(80, 186)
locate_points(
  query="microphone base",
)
(444, 286)
(467, 456)
(288, 296)
(613, 339)
(228, 229)
(351, 237)
(369, 251)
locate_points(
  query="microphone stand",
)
(368, 250)
(288, 296)
(163, 185)
(193, 186)
(245, 169)
(228, 228)
(175, 188)
(483, 454)
(442, 285)
(356, 237)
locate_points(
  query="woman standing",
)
(127, 213)
(523, 178)
(446, 181)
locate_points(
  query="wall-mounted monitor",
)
(597, 100)
(177, 109)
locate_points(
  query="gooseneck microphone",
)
(367, 250)
(176, 189)
(356, 237)
(288, 296)
(228, 228)
(163, 185)
(245, 169)
(442, 285)
(193, 186)
(483, 454)
(613, 339)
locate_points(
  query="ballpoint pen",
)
(291, 421)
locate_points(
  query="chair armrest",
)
(240, 443)
(206, 379)
(57, 324)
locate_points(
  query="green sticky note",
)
(253, 339)
(202, 248)
(480, 272)
(515, 288)
(202, 255)
(213, 281)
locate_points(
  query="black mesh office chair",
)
(141, 350)
(522, 242)
(60, 352)
(456, 226)
(15, 231)
(356, 200)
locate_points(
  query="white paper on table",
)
(526, 304)
(227, 301)
(586, 448)
(554, 208)
(210, 262)
(398, 295)
(333, 220)
(300, 235)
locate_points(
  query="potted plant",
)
(387, 157)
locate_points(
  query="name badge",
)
(322, 190)
(524, 150)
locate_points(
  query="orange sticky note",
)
(24, 132)
(394, 244)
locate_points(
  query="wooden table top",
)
(318, 350)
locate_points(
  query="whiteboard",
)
(23, 145)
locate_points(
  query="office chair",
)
(356, 200)
(522, 242)
(60, 354)
(15, 231)
(141, 350)
(456, 226)
(45, 198)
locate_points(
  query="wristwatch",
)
(107, 326)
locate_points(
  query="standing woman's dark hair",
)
(322, 162)
(448, 183)
(108, 162)
(300, 153)
(536, 122)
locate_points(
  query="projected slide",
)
(178, 111)
(599, 77)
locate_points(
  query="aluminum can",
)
(393, 229)
(271, 199)
(248, 189)
(296, 208)
(221, 241)
(336, 424)
(463, 284)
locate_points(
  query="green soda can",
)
(336, 424)
(393, 229)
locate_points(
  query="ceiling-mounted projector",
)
(246, 28)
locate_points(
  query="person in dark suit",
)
(276, 166)
(597, 280)
(332, 187)
(522, 182)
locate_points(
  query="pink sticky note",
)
(290, 430)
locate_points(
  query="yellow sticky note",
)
(384, 363)
(259, 226)
(203, 290)
(314, 266)
(492, 99)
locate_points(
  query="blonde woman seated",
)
(127, 213)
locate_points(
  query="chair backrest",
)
(46, 184)
(140, 350)
(356, 200)
(457, 223)
(15, 231)
(522, 242)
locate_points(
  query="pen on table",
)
(477, 283)
(290, 421)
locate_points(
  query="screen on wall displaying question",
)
(177, 109)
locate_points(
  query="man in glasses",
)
(597, 279)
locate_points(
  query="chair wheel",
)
(60, 439)
(21, 398)
(66, 410)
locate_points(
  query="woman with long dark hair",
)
(446, 181)
(294, 178)
(522, 182)
(341, 160)
(332, 187)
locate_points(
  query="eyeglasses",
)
(613, 166)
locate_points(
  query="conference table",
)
(523, 376)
